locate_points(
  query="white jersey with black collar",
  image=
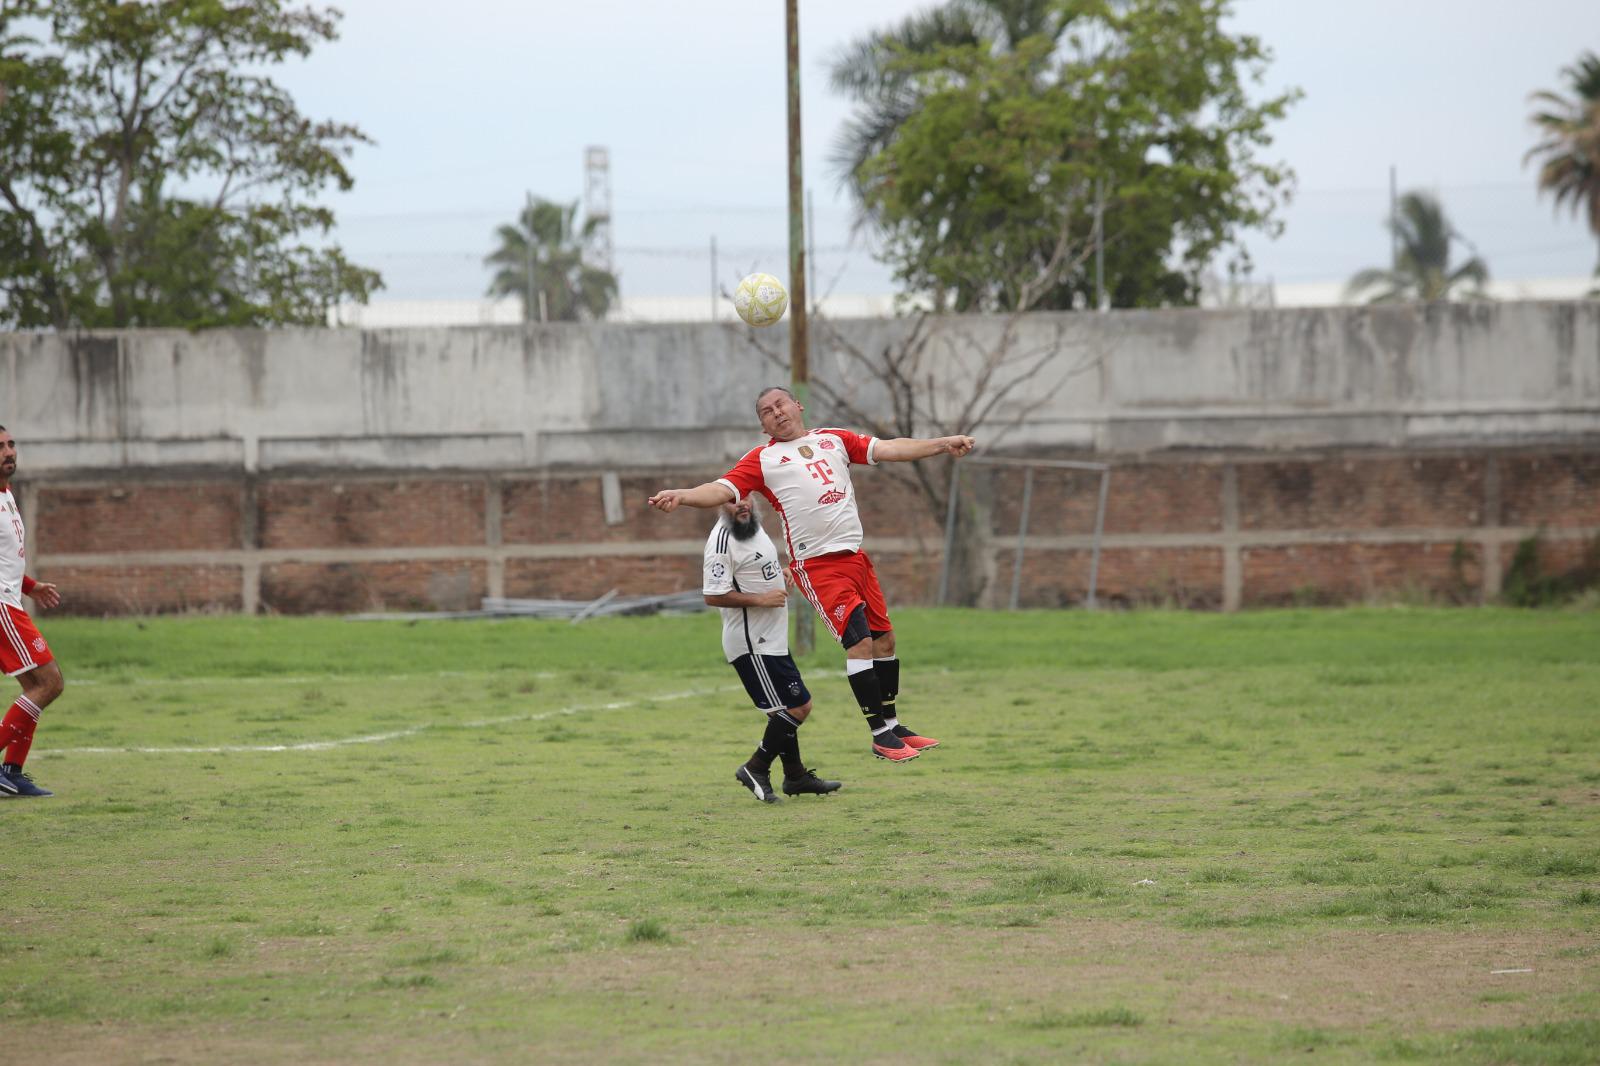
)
(734, 565)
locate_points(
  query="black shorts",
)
(773, 681)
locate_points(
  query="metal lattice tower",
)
(597, 248)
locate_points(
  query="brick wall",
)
(130, 516)
(1390, 493)
(1308, 574)
(338, 514)
(408, 585)
(114, 590)
(1200, 530)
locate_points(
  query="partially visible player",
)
(744, 577)
(805, 475)
(24, 654)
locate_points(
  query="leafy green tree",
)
(151, 175)
(1422, 271)
(547, 239)
(1570, 148)
(982, 162)
(869, 70)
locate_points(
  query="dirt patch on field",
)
(1411, 982)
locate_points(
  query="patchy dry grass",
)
(1149, 837)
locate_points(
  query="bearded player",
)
(805, 476)
(24, 654)
(744, 577)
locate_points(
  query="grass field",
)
(1148, 837)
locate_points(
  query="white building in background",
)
(397, 314)
(392, 314)
(1331, 293)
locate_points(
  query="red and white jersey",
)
(12, 551)
(807, 481)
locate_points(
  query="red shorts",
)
(21, 647)
(836, 582)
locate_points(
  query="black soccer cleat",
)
(759, 784)
(17, 783)
(809, 784)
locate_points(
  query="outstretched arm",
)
(711, 494)
(905, 449)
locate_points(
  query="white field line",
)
(269, 679)
(398, 734)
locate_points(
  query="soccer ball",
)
(760, 299)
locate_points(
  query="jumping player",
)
(24, 654)
(805, 475)
(744, 577)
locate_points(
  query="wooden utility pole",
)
(799, 362)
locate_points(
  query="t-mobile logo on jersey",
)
(821, 471)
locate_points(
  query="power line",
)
(660, 251)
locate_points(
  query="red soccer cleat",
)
(914, 741)
(901, 754)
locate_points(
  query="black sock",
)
(761, 759)
(888, 671)
(869, 695)
(779, 740)
(790, 752)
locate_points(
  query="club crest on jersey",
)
(38, 644)
(805, 451)
(825, 444)
(838, 612)
(831, 496)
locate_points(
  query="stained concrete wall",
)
(1258, 457)
(567, 396)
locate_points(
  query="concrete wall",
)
(506, 398)
(1259, 457)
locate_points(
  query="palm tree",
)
(865, 70)
(1571, 145)
(564, 288)
(1422, 269)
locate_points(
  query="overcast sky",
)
(473, 109)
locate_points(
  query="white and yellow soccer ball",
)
(760, 299)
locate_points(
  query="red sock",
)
(16, 730)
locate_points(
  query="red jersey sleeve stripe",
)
(856, 445)
(746, 476)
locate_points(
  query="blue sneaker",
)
(17, 783)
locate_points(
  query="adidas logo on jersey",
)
(785, 459)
